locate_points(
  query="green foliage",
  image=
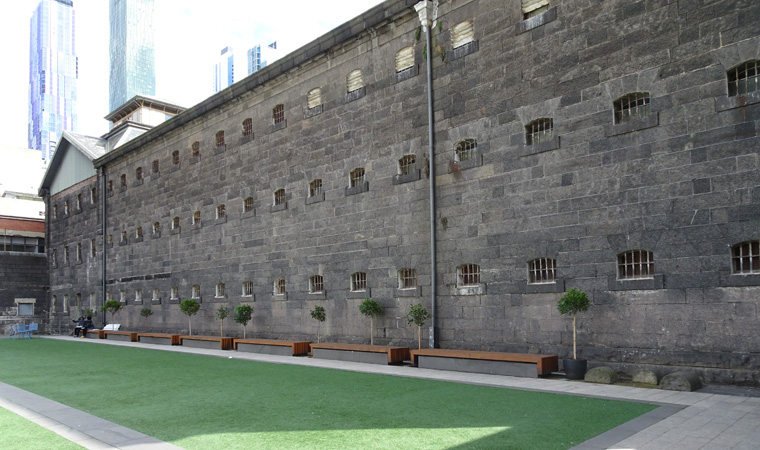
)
(88, 312)
(370, 308)
(417, 315)
(243, 314)
(222, 312)
(189, 307)
(573, 302)
(112, 306)
(145, 313)
(318, 313)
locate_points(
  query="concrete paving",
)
(684, 420)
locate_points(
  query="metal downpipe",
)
(103, 237)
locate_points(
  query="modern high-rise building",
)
(53, 73)
(255, 62)
(224, 70)
(133, 58)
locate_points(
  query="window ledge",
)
(121, 189)
(220, 220)
(280, 207)
(408, 178)
(311, 112)
(410, 292)
(367, 293)
(246, 139)
(315, 198)
(248, 298)
(78, 211)
(109, 193)
(220, 149)
(652, 120)
(155, 175)
(197, 299)
(463, 50)
(536, 21)
(736, 101)
(155, 235)
(317, 295)
(221, 299)
(138, 182)
(480, 289)
(637, 284)
(409, 72)
(138, 239)
(173, 301)
(356, 94)
(195, 159)
(739, 279)
(280, 297)
(137, 302)
(177, 230)
(541, 147)
(174, 168)
(197, 225)
(455, 166)
(280, 125)
(155, 301)
(247, 214)
(124, 242)
(540, 288)
(364, 187)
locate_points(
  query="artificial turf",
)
(17, 433)
(201, 402)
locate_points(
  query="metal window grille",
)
(220, 211)
(407, 278)
(279, 286)
(175, 223)
(156, 227)
(315, 188)
(196, 150)
(404, 59)
(316, 284)
(466, 149)
(542, 270)
(538, 131)
(469, 275)
(531, 8)
(279, 197)
(278, 114)
(247, 288)
(632, 106)
(407, 164)
(175, 292)
(247, 127)
(359, 281)
(196, 217)
(155, 166)
(248, 204)
(220, 290)
(138, 232)
(219, 138)
(745, 257)
(175, 157)
(138, 173)
(196, 293)
(356, 177)
(354, 81)
(314, 98)
(462, 33)
(635, 264)
(744, 78)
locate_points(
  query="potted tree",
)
(222, 314)
(189, 307)
(242, 315)
(318, 313)
(418, 315)
(111, 306)
(145, 313)
(573, 302)
(371, 308)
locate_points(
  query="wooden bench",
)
(272, 347)
(158, 338)
(372, 354)
(212, 342)
(129, 336)
(496, 363)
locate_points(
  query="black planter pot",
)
(575, 369)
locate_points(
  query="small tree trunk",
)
(190, 325)
(318, 324)
(371, 327)
(419, 337)
(221, 328)
(575, 354)
(243, 331)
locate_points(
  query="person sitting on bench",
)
(88, 325)
(79, 327)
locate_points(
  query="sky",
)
(190, 35)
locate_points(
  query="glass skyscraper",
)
(254, 59)
(224, 70)
(133, 59)
(53, 73)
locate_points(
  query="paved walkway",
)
(684, 421)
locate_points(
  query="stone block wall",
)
(25, 276)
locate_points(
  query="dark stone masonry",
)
(610, 146)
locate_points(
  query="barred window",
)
(219, 138)
(356, 177)
(404, 59)
(79, 202)
(65, 207)
(196, 292)
(138, 295)
(279, 197)
(155, 166)
(247, 288)
(220, 212)
(314, 98)
(219, 290)
(462, 33)
(745, 257)
(278, 114)
(93, 248)
(195, 151)
(316, 284)
(358, 281)
(468, 275)
(354, 81)
(138, 233)
(279, 286)
(465, 150)
(93, 195)
(175, 292)
(109, 188)
(123, 236)
(79, 252)
(196, 218)
(123, 183)
(407, 278)
(632, 106)
(175, 157)
(315, 187)
(122, 296)
(138, 173)
(538, 131)
(542, 270)
(175, 223)
(248, 127)
(55, 211)
(156, 227)
(532, 8)
(248, 204)
(407, 164)
(744, 78)
(55, 258)
(156, 294)
(635, 264)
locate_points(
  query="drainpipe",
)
(424, 10)
(103, 233)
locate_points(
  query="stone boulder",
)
(644, 376)
(603, 375)
(681, 381)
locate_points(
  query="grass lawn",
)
(201, 402)
(17, 433)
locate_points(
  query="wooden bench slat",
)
(297, 347)
(545, 364)
(173, 338)
(396, 355)
(225, 343)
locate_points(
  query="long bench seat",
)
(372, 354)
(158, 338)
(129, 336)
(272, 347)
(497, 363)
(212, 342)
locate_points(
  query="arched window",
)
(356, 177)
(635, 264)
(196, 292)
(138, 173)
(314, 98)
(175, 157)
(248, 204)
(219, 290)
(248, 127)
(220, 138)
(316, 284)
(404, 59)
(407, 278)
(462, 33)
(278, 114)
(354, 81)
(247, 288)
(195, 150)
(279, 286)
(315, 187)
(407, 164)
(531, 8)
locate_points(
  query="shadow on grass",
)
(205, 402)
